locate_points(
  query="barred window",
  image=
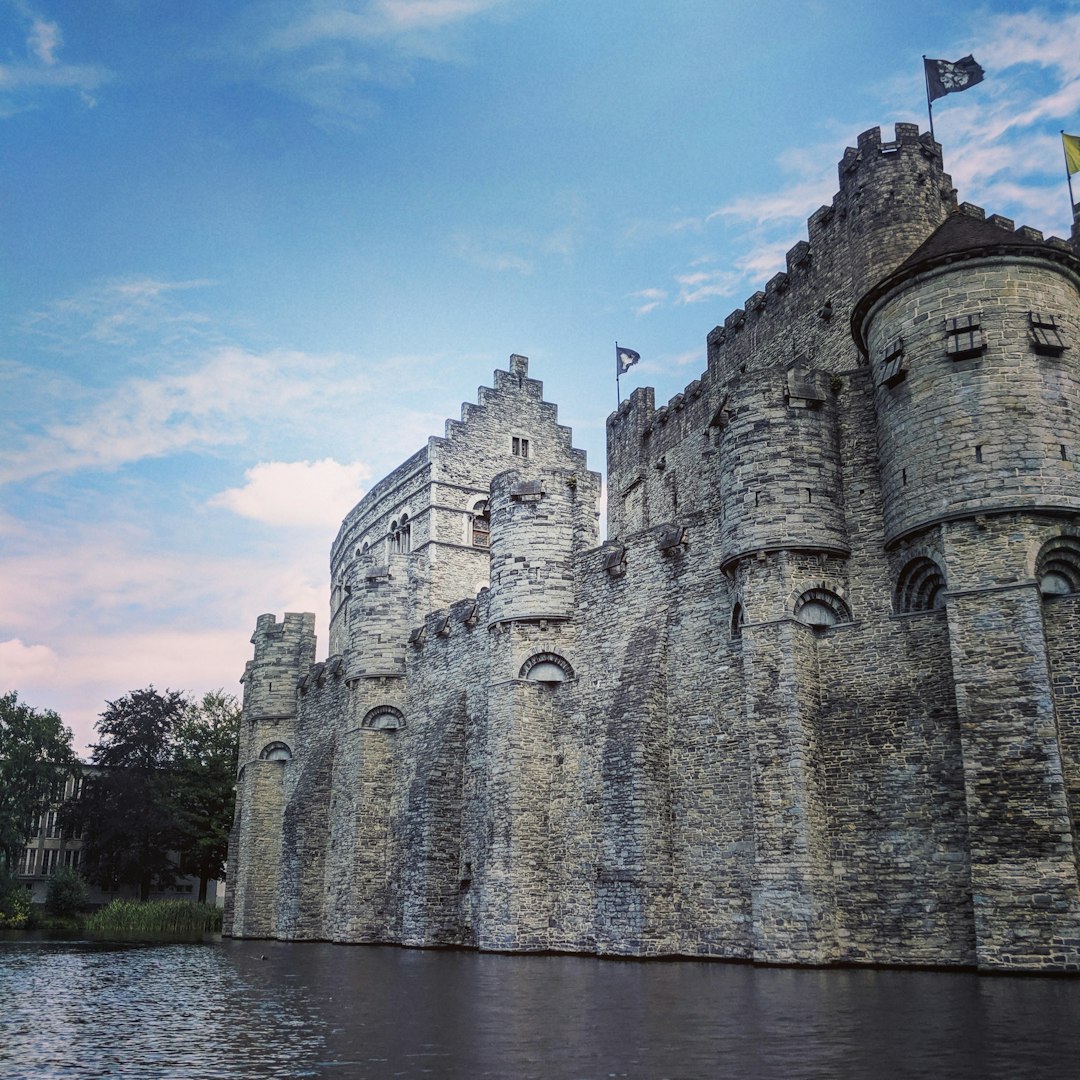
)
(519, 446)
(964, 336)
(1045, 334)
(894, 363)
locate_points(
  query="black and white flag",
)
(951, 76)
(625, 359)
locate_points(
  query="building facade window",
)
(276, 751)
(519, 446)
(384, 718)
(480, 525)
(920, 586)
(964, 336)
(1057, 567)
(1045, 334)
(546, 667)
(894, 365)
(401, 536)
(821, 608)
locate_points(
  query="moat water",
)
(265, 1009)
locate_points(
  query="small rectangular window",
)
(520, 446)
(894, 364)
(1045, 334)
(964, 337)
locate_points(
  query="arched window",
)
(480, 526)
(1058, 566)
(405, 535)
(546, 667)
(738, 620)
(384, 718)
(820, 609)
(920, 586)
(276, 751)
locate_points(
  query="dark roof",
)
(960, 236)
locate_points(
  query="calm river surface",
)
(266, 1009)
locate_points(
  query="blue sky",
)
(254, 253)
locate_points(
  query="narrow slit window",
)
(1045, 334)
(964, 337)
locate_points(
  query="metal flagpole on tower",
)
(1068, 177)
(618, 372)
(929, 103)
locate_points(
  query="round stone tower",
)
(539, 519)
(893, 194)
(971, 344)
(780, 478)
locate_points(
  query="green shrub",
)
(156, 917)
(67, 893)
(14, 905)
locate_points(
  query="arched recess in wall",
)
(546, 667)
(276, 751)
(821, 608)
(738, 620)
(1057, 567)
(920, 586)
(384, 718)
(479, 524)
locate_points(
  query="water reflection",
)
(267, 1009)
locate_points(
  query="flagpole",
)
(618, 392)
(1068, 177)
(929, 103)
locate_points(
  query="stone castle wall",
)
(814, 700)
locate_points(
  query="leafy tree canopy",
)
(35, 757)
(129, 807)
(165, 786)
(205, 757)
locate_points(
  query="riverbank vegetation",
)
(156, 917)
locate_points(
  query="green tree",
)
(205, 756)
(66, 895)
(129, 809)
(35, 757)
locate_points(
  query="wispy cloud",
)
(308, 494)
(123, 312)
(651, 300)
(23, 82)
(337, 56)
(490, 256)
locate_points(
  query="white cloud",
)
(297, 493)
(701, 285)
(20, 663)
(44, 40)
(652, 299)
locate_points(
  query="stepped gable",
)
(965, 234)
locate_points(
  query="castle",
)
(816, 699)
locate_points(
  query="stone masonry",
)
(815, 700)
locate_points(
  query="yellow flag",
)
(1072, 152)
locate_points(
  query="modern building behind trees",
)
(54, 844)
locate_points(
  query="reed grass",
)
(156, 916)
